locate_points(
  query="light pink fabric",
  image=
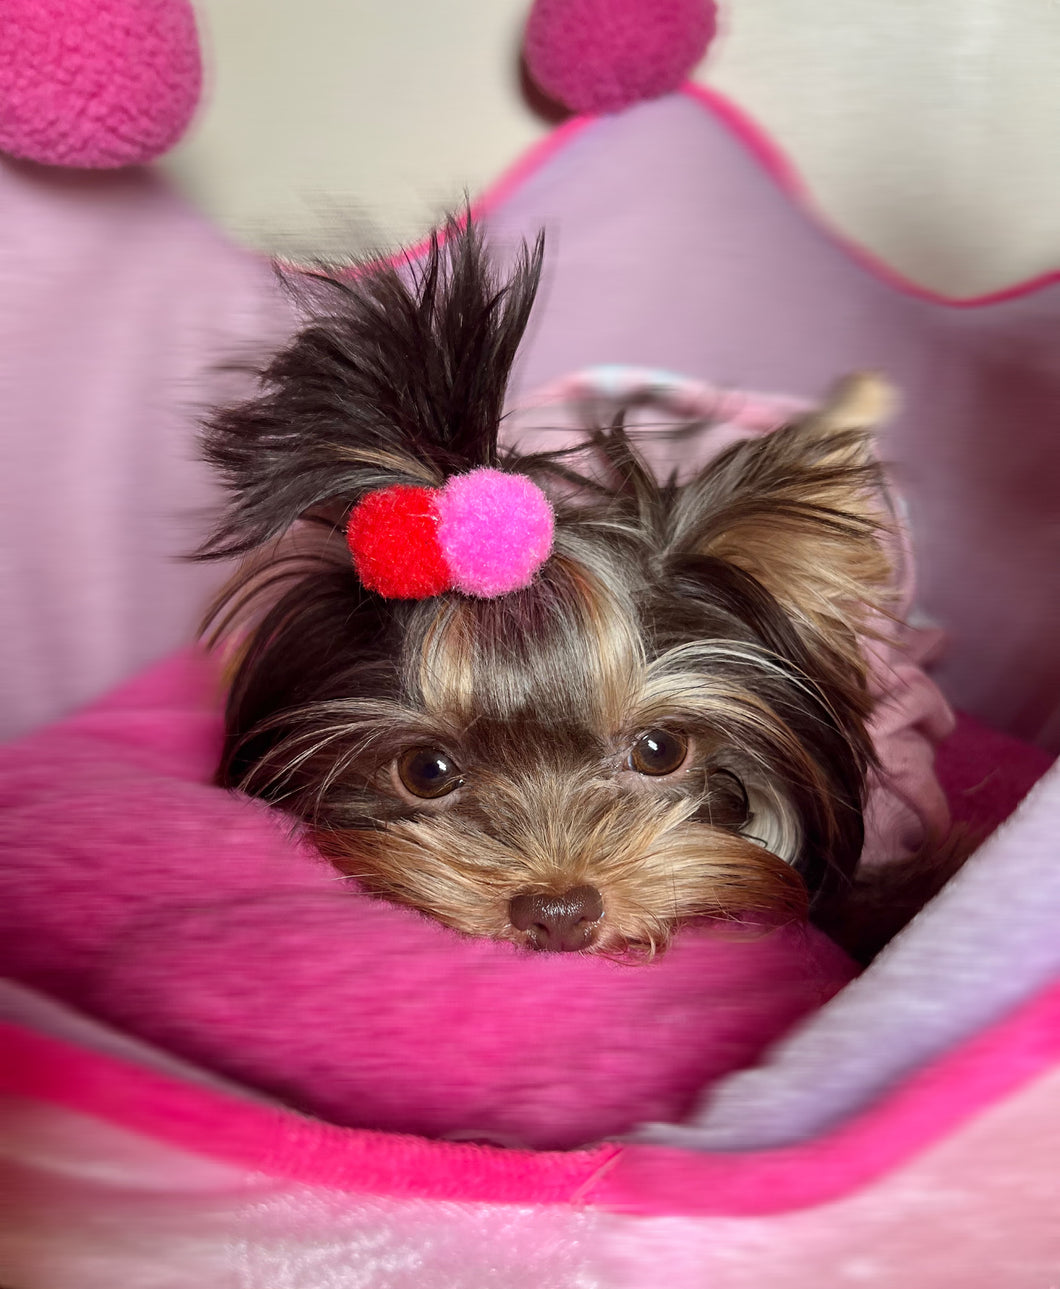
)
(115, 1175)
(703, 266)
(190, 917)
(96, 84)
(121, 307)
(906, 807)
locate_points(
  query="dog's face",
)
(669, 722)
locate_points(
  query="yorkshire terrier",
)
(568, 706)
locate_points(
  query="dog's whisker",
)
(666, 718)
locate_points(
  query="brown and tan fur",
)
(724, 615)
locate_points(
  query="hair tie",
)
(485, 533)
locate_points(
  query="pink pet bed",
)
(220, 1064)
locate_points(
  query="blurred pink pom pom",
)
(96, 84)
(604, 55)
(495, 531)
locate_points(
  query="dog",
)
(661, 714)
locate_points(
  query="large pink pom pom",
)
(603, 55)
(495, 530)
(96, 83)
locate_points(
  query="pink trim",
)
(280, 1142)
(767, 153)
(635, 1179)
(918, 1114)
(534, 159)
(776, 164)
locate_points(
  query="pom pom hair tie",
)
(485, 534)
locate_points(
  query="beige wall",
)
(927, 129)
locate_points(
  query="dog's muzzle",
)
(558, 923)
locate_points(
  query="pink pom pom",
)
(603, 55)
(96, 83)
(495, 530)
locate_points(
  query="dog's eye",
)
(428, 772)
(658, 752)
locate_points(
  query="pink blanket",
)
(192, 918)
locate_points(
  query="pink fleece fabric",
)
(96, 84)
(193, 918)
(603, 55)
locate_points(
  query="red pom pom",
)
(393, 538)
(603, 55)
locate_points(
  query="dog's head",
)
(668, 721)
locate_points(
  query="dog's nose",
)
(558, 923)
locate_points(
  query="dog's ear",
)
(397, 376)
(804, 511)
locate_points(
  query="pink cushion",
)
(188, 916)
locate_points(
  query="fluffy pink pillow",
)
(190, 917)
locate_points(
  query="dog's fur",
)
(725, 611)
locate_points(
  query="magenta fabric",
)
(645, 1180)
(96, 84)
(190, 917)
(985, 774)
